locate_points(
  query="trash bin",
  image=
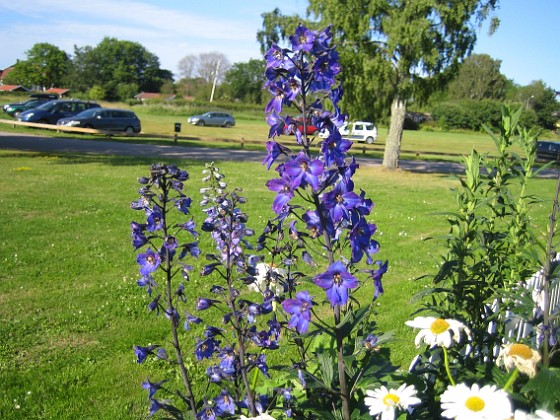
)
(177, 127)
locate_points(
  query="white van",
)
(359, 131)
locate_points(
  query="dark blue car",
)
(52, 111)
(548, 150)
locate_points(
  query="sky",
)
(526, 41)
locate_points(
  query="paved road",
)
(38, 143)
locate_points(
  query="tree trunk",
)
(394, 138)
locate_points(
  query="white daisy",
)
(520, 356)
(437, 331)
(385, 402)
(487, 403)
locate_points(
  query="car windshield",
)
(47, 106)
(87, 113)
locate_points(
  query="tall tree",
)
(479, 77)
(399, 50)
(245, 81)
(187, 66)
(419, 44)
(212, 65)
(120, 67)
(46, 66)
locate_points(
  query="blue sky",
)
(526, 42)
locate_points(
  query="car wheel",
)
(129, 130)
(227, 124)
(200, 123)
(370, 140)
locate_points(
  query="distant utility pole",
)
(215, 80)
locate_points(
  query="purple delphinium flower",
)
(190, 319)
(149, 262)
(304, 171)
(274, 57)
(152, 387)
(340, 201)
(148, 282)
(370, 341)
(207, 413)
(206, 348)
(202, 303)
(274, 150)
(224, 403)
(303, 39)
(143, 352)
(157, 405)
(377, 275)
(334, 149)
(183, 204)
(285, 193)
(336, 281)
(276, 123)
(189, 227)
(360, 241)
(155, 219)
(137, 235)
(300, 311)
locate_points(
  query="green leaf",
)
(327, 364)
(545, 386)
(349, 322)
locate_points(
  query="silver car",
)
(219, 119)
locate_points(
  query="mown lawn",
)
(70, 309)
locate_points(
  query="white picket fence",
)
(518, 329)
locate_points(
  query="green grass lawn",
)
(70, 309)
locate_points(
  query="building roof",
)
(12, 88)
(58, 91)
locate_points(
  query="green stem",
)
(446, 364)
(511, 380)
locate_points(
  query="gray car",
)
(219, 119)
(105, 119)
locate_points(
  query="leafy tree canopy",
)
(46, 66)
(244, 81)
(479, 77)
(396, 50)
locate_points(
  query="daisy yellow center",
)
(521, 350)
(475, 404)
(391, 399)
(439, 326)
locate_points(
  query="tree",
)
(398, 50)
(46, 66)
(119, 67)
(478, 78)
(245, 81)
(212, 65)
(542, 100)
(187, 66)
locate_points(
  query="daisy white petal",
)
(385, 402)
(437, 331)
(520, 356)
(487, 403)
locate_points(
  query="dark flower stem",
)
(170, 309)
(338, 334)
(236, 319)
(546, 272)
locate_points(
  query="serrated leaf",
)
(545, 386)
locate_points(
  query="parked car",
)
(37, 99)
(548, 150)
(359, 131)
(104, 119)
(13, 110)
(52, 111)
(310, 129)
(219, 119)
(356, 131)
